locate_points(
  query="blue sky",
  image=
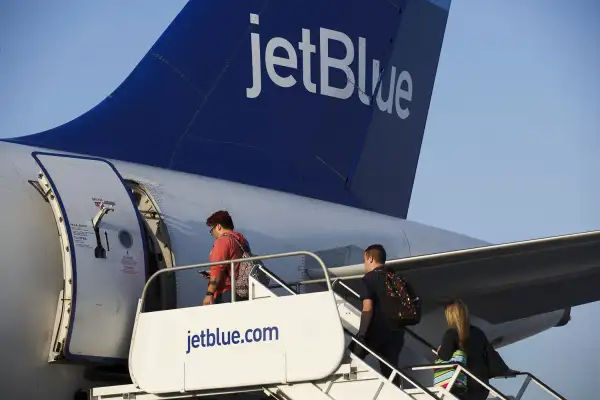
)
(509, 149)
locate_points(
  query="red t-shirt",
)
(225, 248)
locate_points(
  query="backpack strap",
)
(385, 271)
(241, 247)
(238, 242)
(387, 268)
(244, 249)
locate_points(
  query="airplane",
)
(305, 123)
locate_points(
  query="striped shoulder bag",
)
(442, 376)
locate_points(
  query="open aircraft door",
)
(103, 252)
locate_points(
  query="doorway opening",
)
(162, 293)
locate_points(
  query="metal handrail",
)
(348, 288)
(414, 335)
(394, 370)
(529, 376)
(142, 299)
(278, 280)
(232, 263)
(457, 371)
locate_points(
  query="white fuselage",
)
(31, 265)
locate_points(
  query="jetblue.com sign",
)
(218, 337)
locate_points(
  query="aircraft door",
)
(104, 260)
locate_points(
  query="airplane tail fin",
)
(321, 98)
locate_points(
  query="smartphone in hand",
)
(205, 274)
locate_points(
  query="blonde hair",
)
(457, 317)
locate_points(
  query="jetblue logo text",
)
(399, 89)
(218, 337)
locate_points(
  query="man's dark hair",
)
(220, 217)
(377, 252)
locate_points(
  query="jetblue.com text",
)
(218, 337)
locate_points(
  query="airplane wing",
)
(528, 277)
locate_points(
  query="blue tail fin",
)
(322, 98)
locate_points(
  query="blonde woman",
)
(461, 335)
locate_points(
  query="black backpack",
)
(400, 304)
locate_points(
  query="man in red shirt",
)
(224, 248)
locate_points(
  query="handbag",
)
(442, 376)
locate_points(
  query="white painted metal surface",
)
(104, 261)
(288, 339)
(438, 392)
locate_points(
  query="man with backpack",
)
(228, 245)
(388, 305)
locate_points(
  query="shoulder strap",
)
(388, 272)
(238, 242)
(385, 269)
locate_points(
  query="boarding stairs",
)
(289, 347)
(494, 392)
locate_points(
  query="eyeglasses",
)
(211, 230)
